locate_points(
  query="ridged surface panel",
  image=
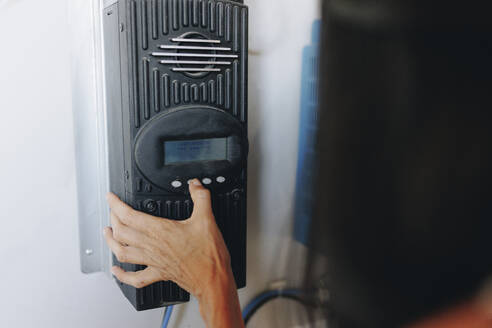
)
(174, 209)
(146, 87)
(226, 88)
(235, 88)
(195, 94)
(228, 83)
(185, 87)
(165, 90)
(244, 64)
(185, 12)
(204, 92)
(196, 13)
(134, 50)
(158, 16)
(227, 22)
(203, 13)
(229, 214)
(212, 93)
(164, 16)
(161, 292)
(220, 90)
(221, 19)
(154, 17)
(211, 10)
(175, 16)
(156, 90)
(175, 91)
(144, 24)
(235, 29)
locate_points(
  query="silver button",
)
(176, 184)
(207, 181)
(220, 179)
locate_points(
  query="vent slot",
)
(195, 55)
(195, 62)
(194, 48)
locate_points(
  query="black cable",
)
(268, 296)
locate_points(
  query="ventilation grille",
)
(195, 55)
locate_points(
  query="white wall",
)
(40, 281)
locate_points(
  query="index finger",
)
(130, 217)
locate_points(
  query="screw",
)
(236, 195)
(151, 206)
(122, 27)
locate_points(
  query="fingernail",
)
(196, 182)
(105, 230)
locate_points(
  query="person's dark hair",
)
(404, 204)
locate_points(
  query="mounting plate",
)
(88, 102)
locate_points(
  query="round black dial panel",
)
(187, 124)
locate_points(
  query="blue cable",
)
(167, 316)
(251, 307)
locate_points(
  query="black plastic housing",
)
(140, 91)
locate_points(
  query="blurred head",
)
(404, 208)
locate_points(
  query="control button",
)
(207, 181)
(176, 184)
(220, 179)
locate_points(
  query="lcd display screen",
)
(185, 151)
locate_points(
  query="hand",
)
(191, 253)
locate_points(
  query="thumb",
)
(202, 201)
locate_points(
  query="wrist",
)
(219, 302)
(216, 273)
(220, 281)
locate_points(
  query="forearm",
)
(219, 302)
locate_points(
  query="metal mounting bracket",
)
(90, 132)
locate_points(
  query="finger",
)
(126, 254)
(116, 227)
(202, 202)
(128, 216)
(137, 279)
(127, 235)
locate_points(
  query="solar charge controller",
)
(176, 76)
